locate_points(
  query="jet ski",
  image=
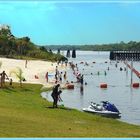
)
(105, 109)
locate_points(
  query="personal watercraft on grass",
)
(104, 109)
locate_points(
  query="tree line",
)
(13, 47)
(132, 45)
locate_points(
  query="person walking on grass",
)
(55, 95)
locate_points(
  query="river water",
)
(119, 91)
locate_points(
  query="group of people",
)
(59, 76)
(79, 76)
(66, 62)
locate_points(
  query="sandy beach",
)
(34, 67)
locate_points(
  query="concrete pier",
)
(125, 55)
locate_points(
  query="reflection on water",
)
(119, 92)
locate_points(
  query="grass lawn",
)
(23, 113)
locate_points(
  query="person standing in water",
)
(60, 77)
(82, 79)
(65, 75)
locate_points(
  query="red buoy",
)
(135, 85)
(70, 86)
(103, 85)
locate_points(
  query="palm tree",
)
(19, 74)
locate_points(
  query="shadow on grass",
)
(8, 89)
(14, 89)
(50, 107)
(25, 89)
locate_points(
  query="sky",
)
(73, 22)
